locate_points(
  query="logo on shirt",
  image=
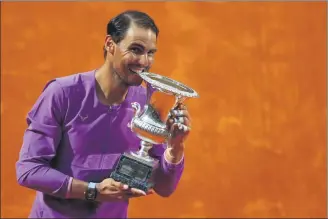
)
(83, 118)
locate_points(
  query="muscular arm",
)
(41, 140)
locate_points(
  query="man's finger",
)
(151, 191)
(179, 119)
(133, 193)
(179, 113)
(180, 106)
(119, 185)
(137, 192)
(174, 128)
(183, 120)
(183, 128)
(170, 121)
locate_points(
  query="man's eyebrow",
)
(137, 44)
(142, 46)
(153, 50)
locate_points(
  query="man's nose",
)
(144, 60)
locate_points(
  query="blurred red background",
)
(258, 144)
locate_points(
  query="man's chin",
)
(135, 82)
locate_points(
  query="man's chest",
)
(101, 132)
(93, 142)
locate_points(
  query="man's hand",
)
(111, 190)
(179, 125)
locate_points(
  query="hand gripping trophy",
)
(149, 124)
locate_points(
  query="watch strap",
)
(91, 192)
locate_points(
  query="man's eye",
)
(136, 50)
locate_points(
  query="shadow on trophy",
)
(136, 169)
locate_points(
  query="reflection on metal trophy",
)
(149, 124)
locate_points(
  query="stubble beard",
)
(124, 80)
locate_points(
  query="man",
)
(78, 128)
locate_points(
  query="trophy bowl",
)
(149, 124)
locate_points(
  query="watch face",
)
(90, 195)
(91, 192)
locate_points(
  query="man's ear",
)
(109, 45)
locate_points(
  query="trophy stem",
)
(143, 152)
(145, 147)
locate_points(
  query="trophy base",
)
(135, 171)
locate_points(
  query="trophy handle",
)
(137, 108)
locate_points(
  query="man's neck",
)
(110, 89)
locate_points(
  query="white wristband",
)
(168, 156)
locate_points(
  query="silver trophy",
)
(149, 124)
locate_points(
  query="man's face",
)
(134, 54)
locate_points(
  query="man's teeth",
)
(136, 70)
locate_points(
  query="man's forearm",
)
(40, 177)
(76, 189)
(169, 173)
(45, 179)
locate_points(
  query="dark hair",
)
(118, 26)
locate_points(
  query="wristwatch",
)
(91, 192)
